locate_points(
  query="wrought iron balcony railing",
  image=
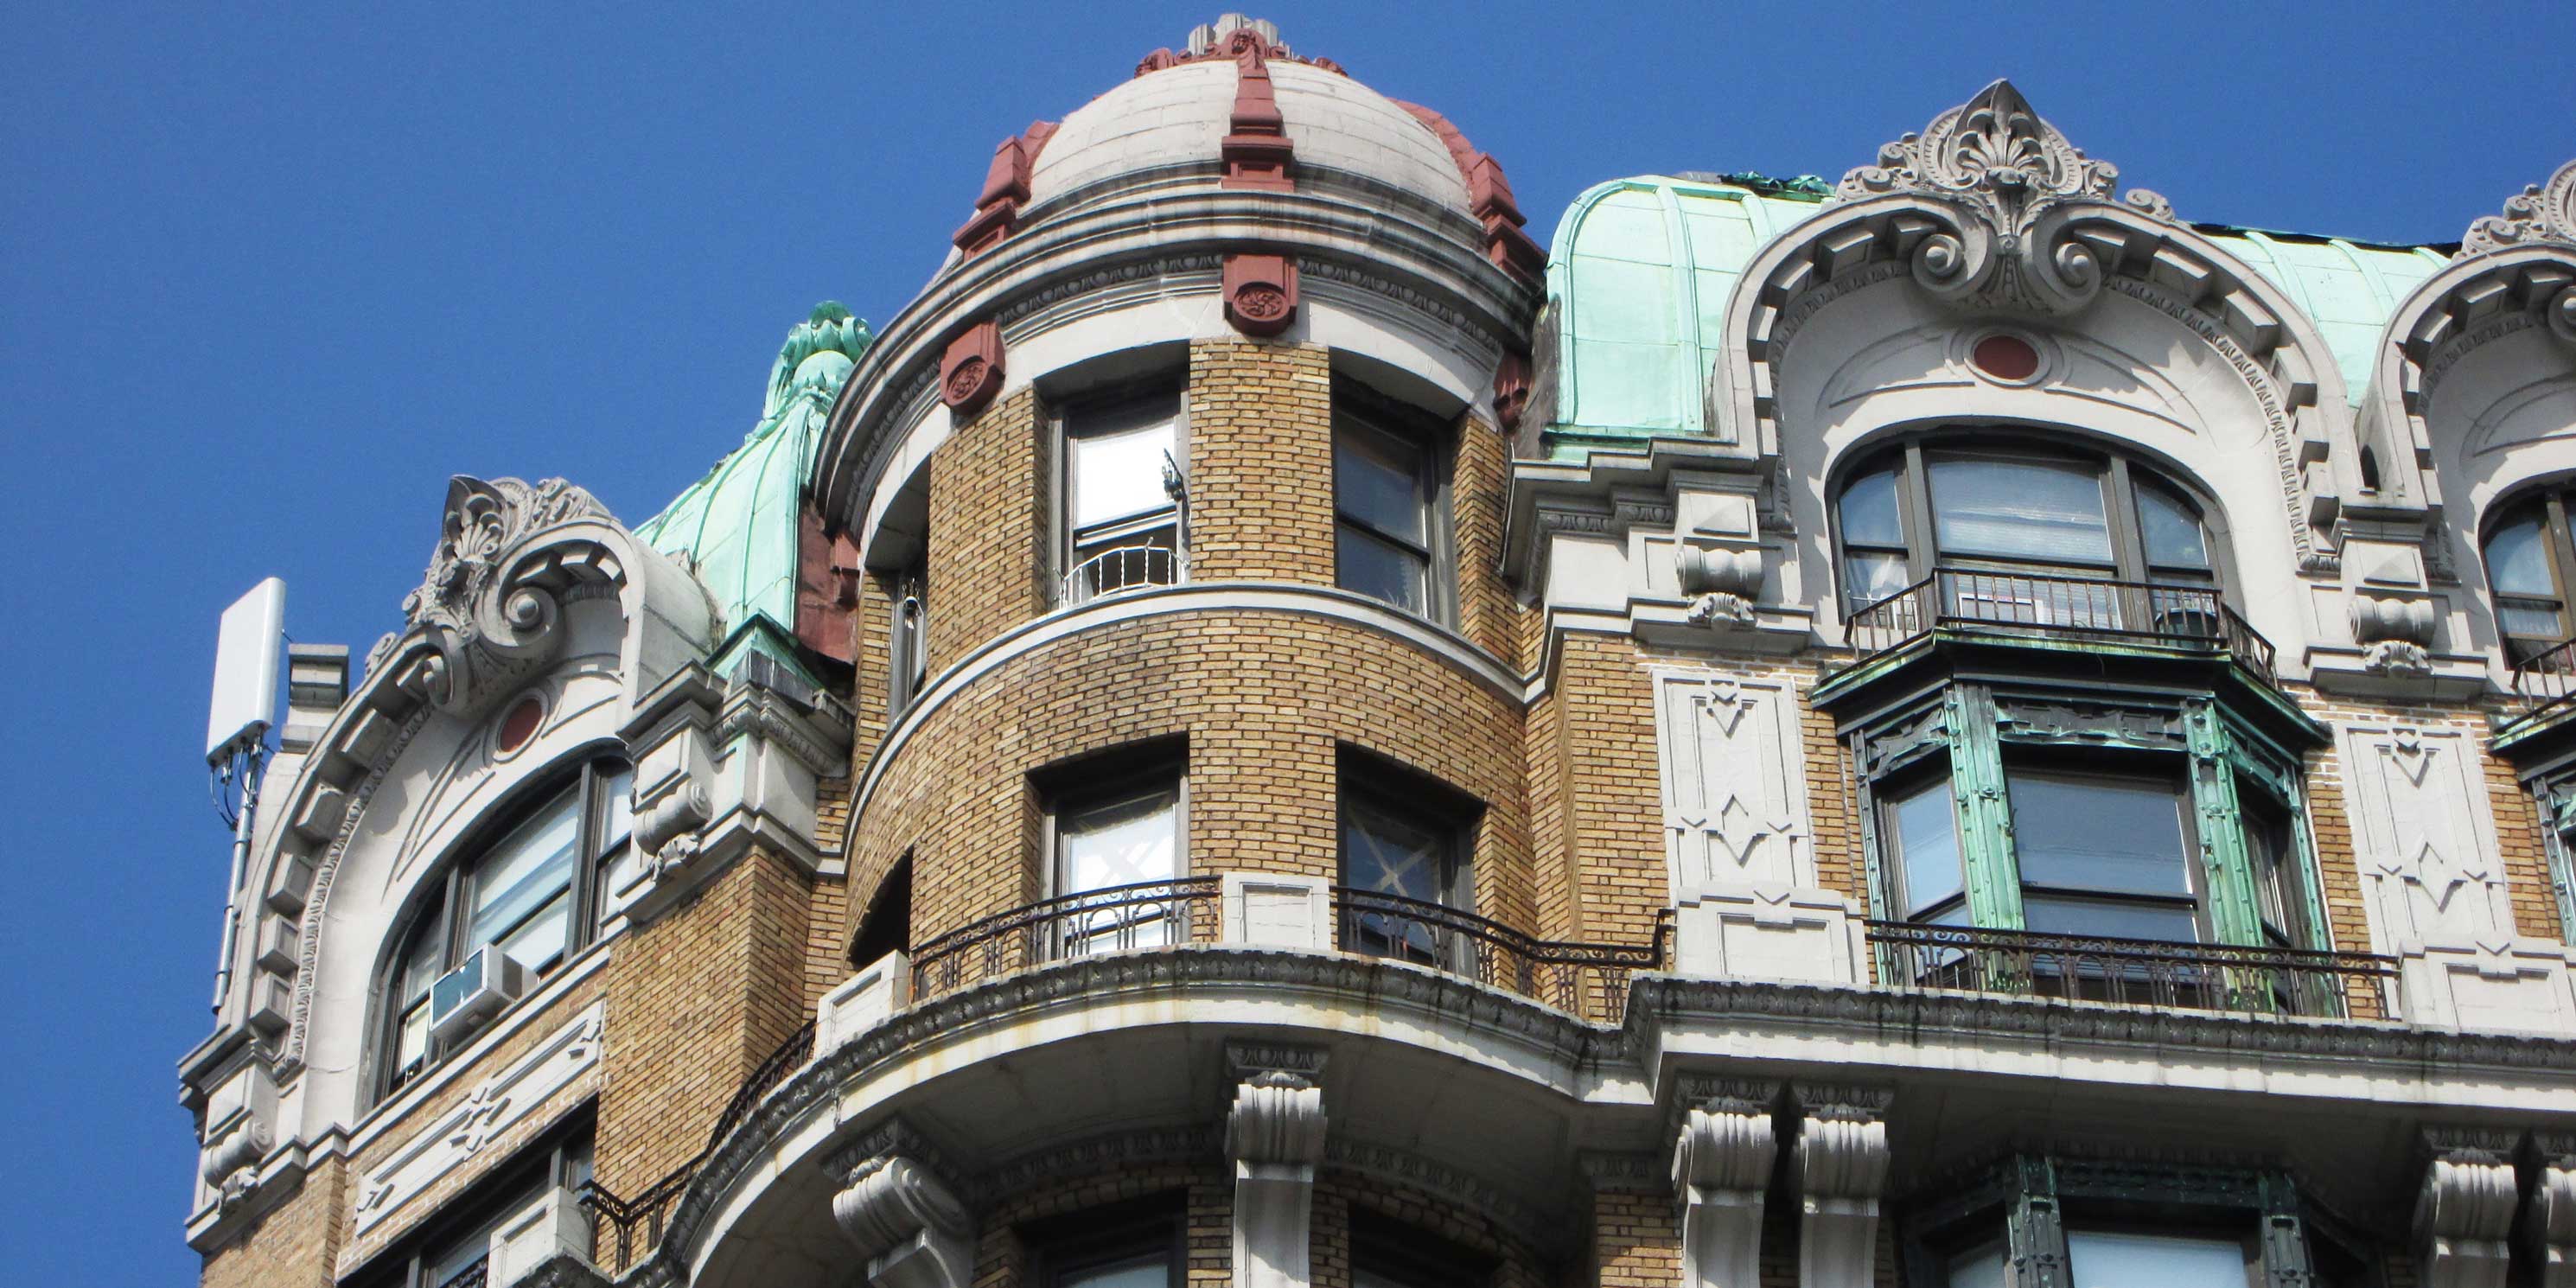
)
(1150, 914)
(2026, 604)
(2546, 679)
(2137, 972)
(635, 1225)
(1122, 568)
(1590, 980)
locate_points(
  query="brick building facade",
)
(1953, 728)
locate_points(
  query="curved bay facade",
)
(1951, 728)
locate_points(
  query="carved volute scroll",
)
(911, 1228)
(1275, 1135)
(2013, 177)
(2465, 1209)
(1841, 1169)
(485, 611)
(1721, 1166)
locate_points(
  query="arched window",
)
(2529, 567)
(2032, 534)
(531, 890)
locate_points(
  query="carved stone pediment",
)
(483, 608)
(2015, 179)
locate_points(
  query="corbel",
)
(2549, 1211)
(1722, 1158)
(1275, 1136)
(2464, 1210)
(908, 1225)
(970, 373)
(1840, 1170)
(1260, 293)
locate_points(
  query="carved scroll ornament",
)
(2543, 214)
(2017, 184)
(479, 608)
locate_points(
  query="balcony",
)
(1119, 569)
(2546, 680)
(2274, 982)
(2041, 609)
(1584, 979)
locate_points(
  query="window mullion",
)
(1984, 811)
(1914, 499)
(2128, 541)
(2034, 1236)
(2235, 909)
(2562, 556)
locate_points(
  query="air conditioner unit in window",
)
(465, 997)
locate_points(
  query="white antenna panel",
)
(246, 653)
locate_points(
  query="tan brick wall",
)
(1263, 698)
(1612, 813)
(1261, 462)
(399, 1134)
(295, 1245)
(1636, 1240)
(988, 529)
(1487, 612)
(696, 1000)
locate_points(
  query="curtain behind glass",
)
(2022, 510)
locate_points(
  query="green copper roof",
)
(738, 526)
(1641, 269)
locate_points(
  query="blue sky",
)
(268, 275)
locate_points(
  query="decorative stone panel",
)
(495, 1105)
(1733, 783)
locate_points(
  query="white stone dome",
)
(1178, 116)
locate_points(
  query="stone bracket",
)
(1722, 1159)
(1840, 1169)
(909, 1226)
(1275, 1136)
(2464, 1209)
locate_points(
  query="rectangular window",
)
(456, 1245)
(1407, 841)
(1127, 1245)
(1389, 539)
(2271, 848)
(1121, 511)
(1110, 838)
(908, 636)
(2135, 1259)
(1923, 832)
(2102, 855)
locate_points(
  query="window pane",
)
(2097, 834)
(1380, 569)
(2019, 510)
(2109, 1259)
(1927, 841)
(2169, 529)
(1150, 1270)
(2518, 560)
(1982, 1268)
(539, 942)
(1377, 479)
(1869, 513)
(1388, 853)
(425, 961)
(411, 1038)
(2528, 621)
(1117, 462)
(617, 794)
(1869, 577)
(526, 869)
(2116, 918)
(1121, 843)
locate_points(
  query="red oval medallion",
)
(521, 724)
(2006, 357)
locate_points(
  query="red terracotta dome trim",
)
(1256, 149)
(1489, 197)
(1006, 189)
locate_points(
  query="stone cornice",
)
(1675, 1001)
(1659, 1007)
